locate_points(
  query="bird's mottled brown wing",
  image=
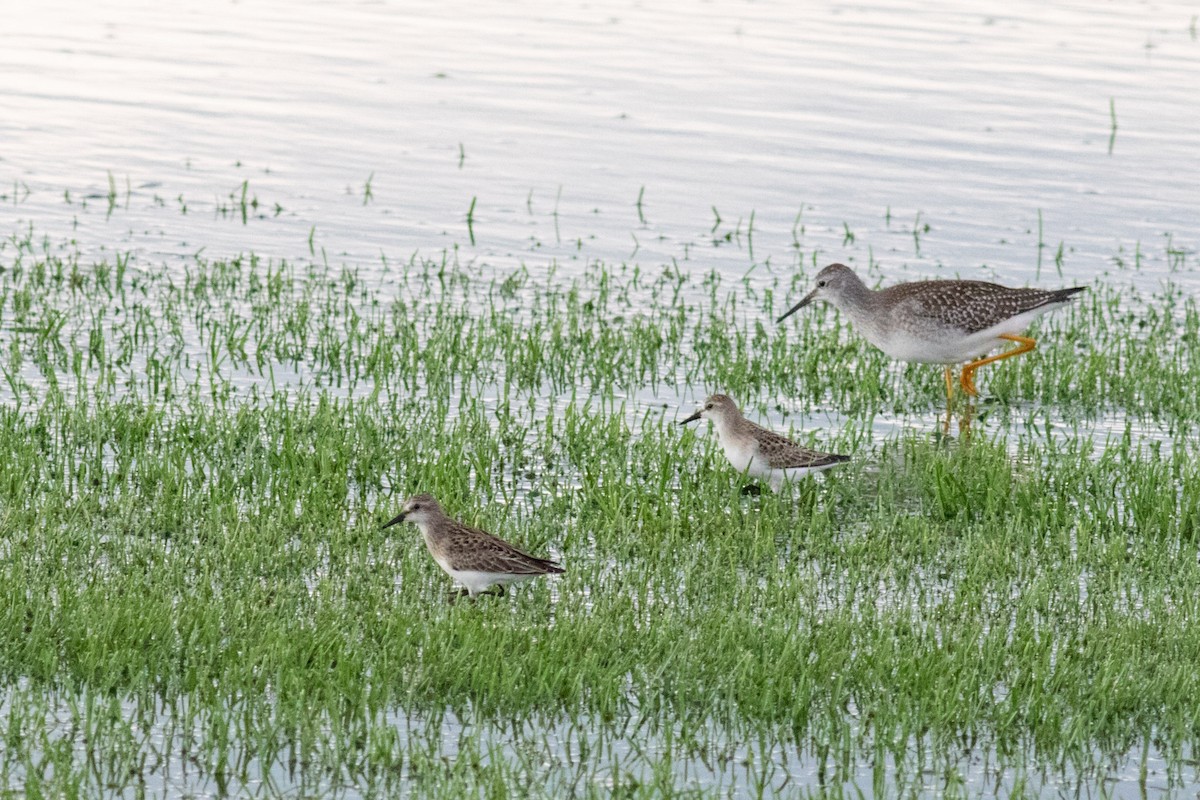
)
(780, 452)
(472, 549)
(970, 306)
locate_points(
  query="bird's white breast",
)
(740, 451)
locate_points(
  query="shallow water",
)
(433, 754)
(982, 126)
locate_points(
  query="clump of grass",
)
(198, 458)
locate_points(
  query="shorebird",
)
(938, 322)
(754, 449)
(476, 559)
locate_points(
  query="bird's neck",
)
(728, 429)
(858, 301)
(428, 531)
(857, 292)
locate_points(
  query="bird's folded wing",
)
(973, 306)
(494, 555)
(779, 452)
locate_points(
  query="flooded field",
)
(267, 269)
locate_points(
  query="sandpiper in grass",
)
(474, 558)
(938, 322)
(757, 451)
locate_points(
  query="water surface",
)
(973, 122)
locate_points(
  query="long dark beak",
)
(692, 418)
(400, 518)
(808, 298)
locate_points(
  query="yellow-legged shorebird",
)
(938, 322)
(757, 451)
(476, 559)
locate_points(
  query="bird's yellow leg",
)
(949, 387)
(1025, 345)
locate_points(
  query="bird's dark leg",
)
(968, 384)
(964, 422)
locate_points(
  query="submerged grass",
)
(198, 460)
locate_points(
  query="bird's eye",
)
(416, 507)
(707, 407)
(820, 284)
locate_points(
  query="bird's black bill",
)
(808, 298)
(692, 418)
(399, 518)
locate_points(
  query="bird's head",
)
(417, 509)
(832, 284)
(718, 408)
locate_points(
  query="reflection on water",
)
(845, 130)
(123, 749)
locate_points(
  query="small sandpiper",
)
(755, 450)
(476, 559)
(938, 322)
